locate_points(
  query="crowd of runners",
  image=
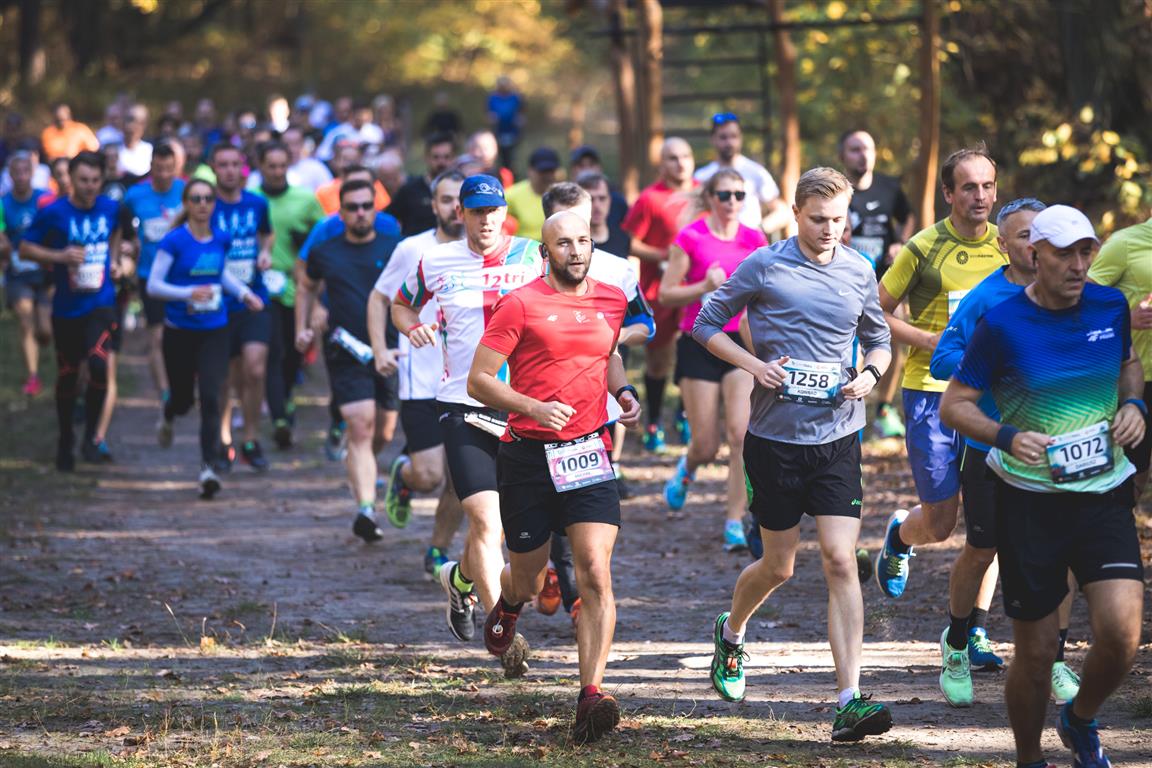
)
(492, 321)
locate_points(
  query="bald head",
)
(568, 248)
(676, 161)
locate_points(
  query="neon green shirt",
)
(1125, 263)
(293, 213)
(527, 207)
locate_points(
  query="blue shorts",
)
(933, 449)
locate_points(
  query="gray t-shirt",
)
(813, 313)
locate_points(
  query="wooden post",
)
(624, 85)
(785, 53)
(652, 53)
(929, 111)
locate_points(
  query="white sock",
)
(847, 695)
(732, 637)
(368, 510)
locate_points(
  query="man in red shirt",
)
(558, 336)
(654, 220)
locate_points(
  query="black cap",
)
(544, 159)
(583, 151)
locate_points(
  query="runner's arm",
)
(264, 258)
(30, 251)
(307, 290)
(158, 285)
(646, 252)
(378, 323)
(673, 291)
(5, 248)
(1128, 425)
(775, 216)
(628, 402)
(902, 330)
(484, 385)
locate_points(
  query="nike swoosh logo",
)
(872, 205)
(843, 293)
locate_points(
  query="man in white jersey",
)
(420, 468)
(466, 277)
(766, 209)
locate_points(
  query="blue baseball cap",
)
(482, 191)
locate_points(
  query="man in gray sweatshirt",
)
(808, 299)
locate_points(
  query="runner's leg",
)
(1026, 687)
(482, 559)
(360, 416)
(211, 372)
(26, 316)
(1115, 609)
(592, 545)
(838, 536)
(736, 389)
(763, 577)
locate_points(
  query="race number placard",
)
(810, 383)
(578, 463)
(1081, 454)
(211, 304)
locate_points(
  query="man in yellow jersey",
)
(932, 272)
(1125, 262)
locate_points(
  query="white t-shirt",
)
(369, 134)
(136, 160)
(758, 182)
(420, 370)
(467, 285)
(613, 270)
(309, 173)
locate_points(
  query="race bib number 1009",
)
(578, 463)
(811, 383)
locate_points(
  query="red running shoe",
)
(596, 714)
(33, 387)
(548, 601)
(499, 630)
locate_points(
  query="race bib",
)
(155, 229)
(954, 299)
(1081, 454)
(578, 463)
(352, 345)
(872, 247)
(275, 282)
(241, 269)
(211, 304)
(88, 278)
(811, 383)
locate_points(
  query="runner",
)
(1063, 494)
(149, 209)
(348, 265)
(243, 216)
(466, 277)
(79, 236)
(412, 203)
(765, 210)
(934, 270)
(557, 336)
(882, 221)
(28, 286)
(420, 468)
(189, 275)
(293, 211)
(808, 299)
(654, 221)
(705, 254)
(524, 196)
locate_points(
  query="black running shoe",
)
(95, 453)
(366, 528)
(253, 455)
(282, 434)
(460, 604)
(209, 483)
(65, 459)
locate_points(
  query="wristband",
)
(1005, 436)
(1140, 405)
(874, 371)
(628, 388)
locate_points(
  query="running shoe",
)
(209, 483)
(460, 604)
(95, 453)
(892, 566)
(398, 499)
(727, 663)
(164, 433)
(336, 443)
(980, 653)
(654, 439)
(860, 717)
(1065, 682)
(1083, 740)
(65, 458)
(253, 455)
(734, 538)
(574, 614)
(676, 489)
(225, 458)
(282, 434)
(499, 629)
(683, 429)
(366, 528)
(863, 564)
(33, 386)
(105, 452)
(434, 560)
(596, 715)
(515, 659)
(955, 674)
(888, 422)
(548, 601)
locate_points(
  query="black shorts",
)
(352, 381)
(34, 286)
(153, 308)
(1039, 536)
(248, 327)
(790, 480)
(531, 509)
(470, 451)
(420, 421)
(978, 489)
(1141, 455)
(693, 361)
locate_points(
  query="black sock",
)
(654, 397)
(1060, 648)
(507, 608)
(977, 619)
(958, 632)
(899, 544)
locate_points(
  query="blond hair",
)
(821, 182)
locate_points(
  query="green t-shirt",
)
(293, 213)
(1125, 263)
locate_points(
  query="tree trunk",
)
(929, 111)
(32, 64)
(785, 53)
(652, 51)
(624, 85)
(576, 117)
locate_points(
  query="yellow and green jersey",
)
(1125, 263)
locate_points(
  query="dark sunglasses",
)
(725, 195)
(720, 118)
(200, 199)
(353, 207)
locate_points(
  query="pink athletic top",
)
(705, 249)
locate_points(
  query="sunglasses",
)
(720, 118)
(725, 195)
(353, 207)
(200, 199)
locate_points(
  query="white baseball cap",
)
(1061, 225)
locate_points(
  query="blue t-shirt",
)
(79, 290)
(196, 263)
(333, 226)
(152, 216)
(990, 292)
(244, 221)
(506, 107)
(1054, 372)
(18, 216)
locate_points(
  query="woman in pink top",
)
(704, 254)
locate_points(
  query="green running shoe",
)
(1065, 683)
(398, 499)
(727, 664)
(955, 674)
(859, 718)
(888, 423)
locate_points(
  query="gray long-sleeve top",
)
(807, 311)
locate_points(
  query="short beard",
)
(451, 227)
(565, 276)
